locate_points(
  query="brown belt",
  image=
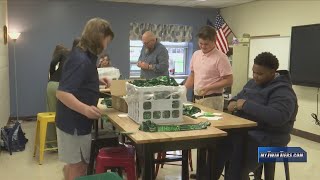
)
(206, 96)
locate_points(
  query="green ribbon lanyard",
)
(149, 126)
(161, 80)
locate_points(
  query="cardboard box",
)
(118, 88)
(119, 104)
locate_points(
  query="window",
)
(177, 56)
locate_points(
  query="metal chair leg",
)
(286, 170)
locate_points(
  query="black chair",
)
(269, 171)
(100, 140)
(269, 168)
(163, 159)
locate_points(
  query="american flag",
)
(223, 32)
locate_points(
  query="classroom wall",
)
(45, 23)
(277, 17)
(4, 68)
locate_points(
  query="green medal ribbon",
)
(107, 101)
(190, 111)
(149, 126)
(161, 80)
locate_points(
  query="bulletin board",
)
(278, 46)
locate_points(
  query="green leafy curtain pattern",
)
(165, 32)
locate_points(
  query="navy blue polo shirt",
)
(80, 78)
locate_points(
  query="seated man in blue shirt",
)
(154, 57)
(267, 99)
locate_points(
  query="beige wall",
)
(271, 16)
(4, 68)
(277, 17)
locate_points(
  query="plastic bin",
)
(160, 104)
(110, 72)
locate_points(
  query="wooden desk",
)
(139, 137)
(229, 121)
(148, 143)
(126, 124)
(204, 140)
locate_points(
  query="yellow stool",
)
(40, 141)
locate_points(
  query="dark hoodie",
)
(59, 56)
(273, 106)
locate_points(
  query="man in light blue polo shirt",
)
(154, 57)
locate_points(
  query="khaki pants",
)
(215, 102)
(73, 149)
(51, 107)
(51, 96)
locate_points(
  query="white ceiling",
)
(188, 3)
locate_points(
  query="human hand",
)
(240, 103)
(203, 91)
(105, 81)
(232, 105)
(92, 112)
(143, 65)
(139, 64)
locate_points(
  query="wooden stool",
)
(41, 133)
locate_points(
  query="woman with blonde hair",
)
(78, 95)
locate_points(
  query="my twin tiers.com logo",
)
(281, 154)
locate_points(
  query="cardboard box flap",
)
(118, 88)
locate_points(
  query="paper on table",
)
(123, 115)
(198, 114)
(217, 114)
(213, 118)
(202, 113)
